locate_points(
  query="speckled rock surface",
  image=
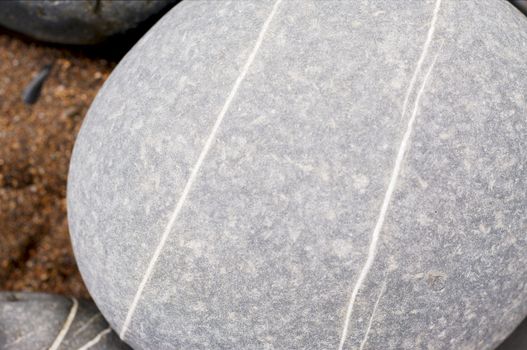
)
(310, 174)
(76, 21)
(30, 321)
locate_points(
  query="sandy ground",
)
(35, 147)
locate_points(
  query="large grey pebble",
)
(310, 175)
(77, 21)
(31, 321)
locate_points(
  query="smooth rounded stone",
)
(30, 321)
(76, 21)
(310, 174)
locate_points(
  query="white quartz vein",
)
(96, 339)
(365, 339)
(67, 324)
(372, 250)
(85, 325)
(196, 169)
(422, 57)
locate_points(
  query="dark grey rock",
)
(76, 21)
(32, 91)
(520, 5)
(253, 169)
(517, 340)
(30, 321)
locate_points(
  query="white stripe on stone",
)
(195, 171)
(422, 57)
(85, 325)
(372, 250)
(96, 339)
(67, 324)
(365, 339)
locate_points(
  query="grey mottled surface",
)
(265, 146)
(76, 21)
(34, 321)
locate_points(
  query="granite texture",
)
(76, 21)
(310, 174)
(37, 321)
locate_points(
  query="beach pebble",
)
(30, 321)
(310, 174)
(76, 21)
